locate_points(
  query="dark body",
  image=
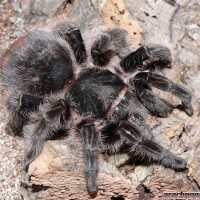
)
(94, 91)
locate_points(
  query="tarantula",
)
(53, 85)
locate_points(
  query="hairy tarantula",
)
(53, 85)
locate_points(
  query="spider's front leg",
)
(71, 33)
(109, 44)
(144, 80)
(50, 120)
(147, 57)
(91, 151)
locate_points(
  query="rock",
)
(45, 7)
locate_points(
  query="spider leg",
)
(154, 104)
(71, 33)
(44, 124)
(147, 57)
(109, 44)
(34, 140)
(19, 106)
(131, 109)
(116, 134)
(29, 102)
(91, 149)
(16, 119)
(111, 138)
(163, 83)
(143, 146)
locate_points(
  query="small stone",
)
(16, 6)
(45, 7)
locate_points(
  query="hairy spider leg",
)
(71, 33)
(29, 102)
(155, 105)
(147, 79)
(118, 133)
(110, 135)
(46, 123)
(107, 45)
(19, 106)
(147, 57)
(16, 118)
(34, 141)
(143, 146)
(132, 110)
(91, 151)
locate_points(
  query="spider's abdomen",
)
(43, 64)
(94, 91)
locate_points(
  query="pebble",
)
(45, 7)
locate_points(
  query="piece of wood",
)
(58, 172)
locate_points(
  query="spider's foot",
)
(188, 109)
(177, 163)
(92, 186)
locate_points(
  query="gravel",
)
(11, 148)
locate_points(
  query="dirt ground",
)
(11, 148)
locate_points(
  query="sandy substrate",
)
(11, 148)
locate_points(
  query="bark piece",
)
(58, 174)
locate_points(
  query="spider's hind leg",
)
(123, 132)
(71, 33)
(29, 102)
(140, 145)
(91, 150)
(49, 120)
(144, 80)
(19, 106)
(147, 57)
(131, 110)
